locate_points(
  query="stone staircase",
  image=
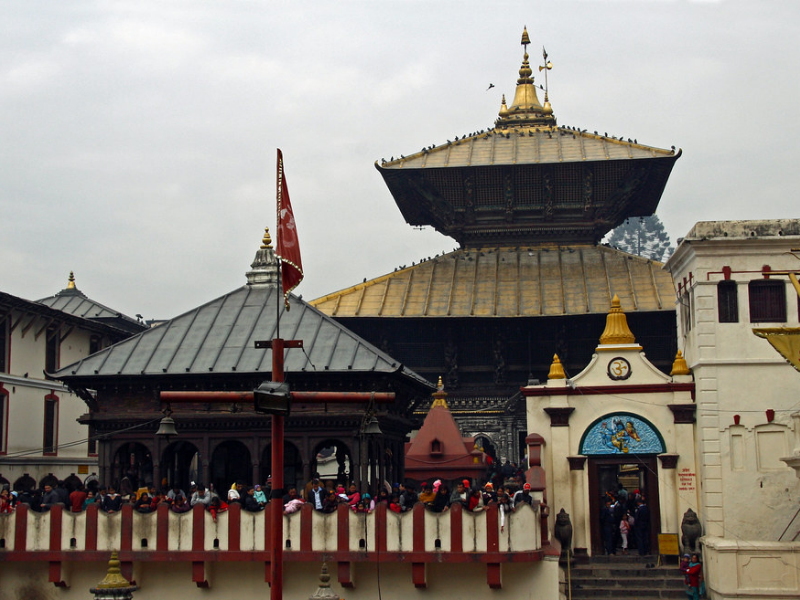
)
(626, 576)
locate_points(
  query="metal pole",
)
(276, 500)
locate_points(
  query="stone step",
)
(628, 577)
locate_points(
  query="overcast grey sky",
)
(137, 138)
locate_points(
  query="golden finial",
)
(439, 395)
(617, 330)
(71, 281)
(556, 369)
(679, 367)
(114, 578)
(503, 107)
(267, 241)
(525, 39)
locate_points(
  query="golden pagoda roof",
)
(526, 145)
(510, 282)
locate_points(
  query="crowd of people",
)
(325, 496)
(625, 522)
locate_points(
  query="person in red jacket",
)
(695, 586)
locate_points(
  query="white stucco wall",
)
(27, 387)
(747, 492)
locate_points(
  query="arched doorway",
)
(333, 461)
(132, 467)
(181, 464)
(24, 483)
(622, 449)
(292, 465)
(230, 462)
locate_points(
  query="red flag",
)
(288, 246)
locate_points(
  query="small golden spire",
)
(679, 367)
(267, 241)
(617, 330)
(71, 281)
(503, 107)
(525, 39)
(114, 578)
(556, 369)
(439, 395)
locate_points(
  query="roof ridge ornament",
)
(264, 268)
(71, 281)
(439, 395)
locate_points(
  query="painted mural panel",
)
(621, 433)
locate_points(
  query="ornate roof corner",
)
(556, 369)
(264, 269)
(679, 367)
(617, 330)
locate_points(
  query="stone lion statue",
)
(563, 533)
(691, 530)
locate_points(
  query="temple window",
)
(728, 302)
(436, 448)
(767, 301)
(50, 445)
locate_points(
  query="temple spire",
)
(264, 268)
(71, 281)
(617, 330)
(525, 109)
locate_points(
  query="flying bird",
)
(491, 85)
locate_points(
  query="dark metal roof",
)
(219, 337)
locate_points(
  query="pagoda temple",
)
(528, 202)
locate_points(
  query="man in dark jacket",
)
(49, 498)
(316, 495)
(641, 527)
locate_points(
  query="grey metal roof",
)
(9, 303)
(74, 302)
(218, 337)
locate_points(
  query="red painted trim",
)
(147, 556)
(343, 528)
(5, 407)
(306, 537)
(658, 388)
(91, 527)
(21, 529)
(380, 526)
(456, 528)
(126, 537)
(54, 574)
(235, 527)
(198, 527)
(494, 576)
(344, 569)
(418, 541)
(344, 574)
(56, 525)
(492, 528)
(199, 574)
(126, 541)
(162, 527)
(419, 574)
